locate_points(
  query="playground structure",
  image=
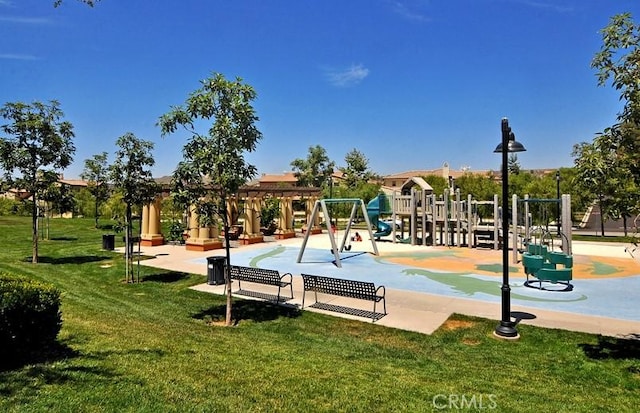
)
(321, 206)
(451, 221)
(430, 220)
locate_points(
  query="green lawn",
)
(150, 347)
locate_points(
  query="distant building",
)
(398, 179)
(288, 179)
(285, 180)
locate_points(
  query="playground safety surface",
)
(425, 285)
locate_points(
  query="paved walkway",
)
(410, 310)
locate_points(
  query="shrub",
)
(15, 207)
(270, 211)
(30, 317)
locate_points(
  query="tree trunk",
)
(34, 227)
(127, 241)
(601, 216)
(624, 224)
(227, 272)
(96, 212)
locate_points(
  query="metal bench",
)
(261, 276)
(346, 288)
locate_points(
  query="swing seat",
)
(532, 263)
(557, 257)
(537, 249)
(555, 275)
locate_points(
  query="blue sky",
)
(409, 83)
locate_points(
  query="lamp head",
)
(507, 135)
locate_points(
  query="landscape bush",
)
(30, 317)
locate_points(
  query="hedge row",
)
(30, 317)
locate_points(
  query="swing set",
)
(344, 244)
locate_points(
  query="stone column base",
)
(151, 240)
(200, 244)
(285, 234)
(250, 239)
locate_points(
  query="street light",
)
(506, 328)
(558, 197)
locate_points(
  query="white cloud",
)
(24, 20)
(347, 77)
(411, 9)
(14, 56)
(545, 5)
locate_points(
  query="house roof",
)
(73, 182)
(409, 183)
(285, 177)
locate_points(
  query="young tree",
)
(357, 169)
(618, 60)
(315, 170)
(513, 164)
(593, 173)
(214, 166)
(96, 173)
(57, 197)
(481, 187)
(608, 168)
(438, 183)
(131, 176)
(39, 144)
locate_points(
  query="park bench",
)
(362, 290)
(261, 276)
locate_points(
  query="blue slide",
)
(373, 211)
(383, 230)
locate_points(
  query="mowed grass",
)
(151, 347)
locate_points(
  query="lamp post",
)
(559, 203)
(506, 328)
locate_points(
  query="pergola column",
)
(314, 227)
(200, 238)
(251, 233)
(151, 235)
(257, 211)
(144, 229)
(248, 217)
(285, 230)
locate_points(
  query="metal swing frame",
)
(322, 203)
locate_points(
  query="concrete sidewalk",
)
(407, 310)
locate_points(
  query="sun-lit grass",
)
(632, 237)
(151, 347)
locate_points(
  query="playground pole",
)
(506, 328)
(559, 201)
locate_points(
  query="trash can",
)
(108, 242)
(215, 270)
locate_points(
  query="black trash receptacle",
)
(215, 270)
(108, 242)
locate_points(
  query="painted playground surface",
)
(603, 286)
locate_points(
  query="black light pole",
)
(559, 203)
(506, 328)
